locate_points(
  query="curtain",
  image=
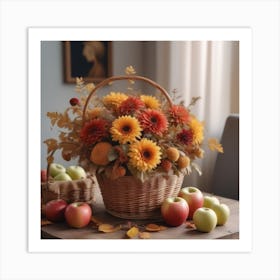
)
(209, 69)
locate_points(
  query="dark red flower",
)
(185, 136)
(130, 105)
(94, 131)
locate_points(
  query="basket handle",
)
(117, 78)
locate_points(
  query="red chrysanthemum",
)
(153, 121)
(185, 136)
(94, 131)
(130, 105)
(178, 115)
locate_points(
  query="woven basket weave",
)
(71, 191)
(127, 197)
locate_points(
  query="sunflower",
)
(125, 129)
(150, 101)
(114, 99)
(197, 129)
(94, 131)
(144, 155)
(153, 121)
(130, 105)
(178, 115)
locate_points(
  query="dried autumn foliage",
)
(45, 222)
(152, 227)
(132, 233)
(69, 123)
(190, 225)
(108, 228)
(213, 145)
(144, 235)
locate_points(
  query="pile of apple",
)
(76, 214)
(59, 173)
(206, 211)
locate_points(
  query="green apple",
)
(76, 172)
(210, 201)
(62, 177)
(205, 219)
(222, 211)
(56, 168)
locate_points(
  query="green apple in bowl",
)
(56, 168)
(76, 172)
(210, 201)
(205, 219)
(62, 177)
(222, 211)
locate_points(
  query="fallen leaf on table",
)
(163, 227)
(190, 225)
(144, 235)
(153, 227)
(107, 228)
(133, 232)
(45, 222)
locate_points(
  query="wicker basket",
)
(127, 197)
(71, 191)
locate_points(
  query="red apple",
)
(55, 210)
(78, 214)
(194, 198)
(174, 211)
(44, 176)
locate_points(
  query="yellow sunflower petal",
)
(144, 155)
(197, 128)
(150, 101)
(125, 129)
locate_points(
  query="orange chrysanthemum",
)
(178, 115)
(153, 121)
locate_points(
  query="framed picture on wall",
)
(91, 60)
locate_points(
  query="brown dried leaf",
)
(152, 227)
(107, 228)
(213, 145)
(190, 225)
(133, 232)
(54, 117)
(51, 144)
(163, 227)
(144, 235)
(45, 222)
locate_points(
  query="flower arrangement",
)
(129, 133)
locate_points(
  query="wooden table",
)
(62, 231)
